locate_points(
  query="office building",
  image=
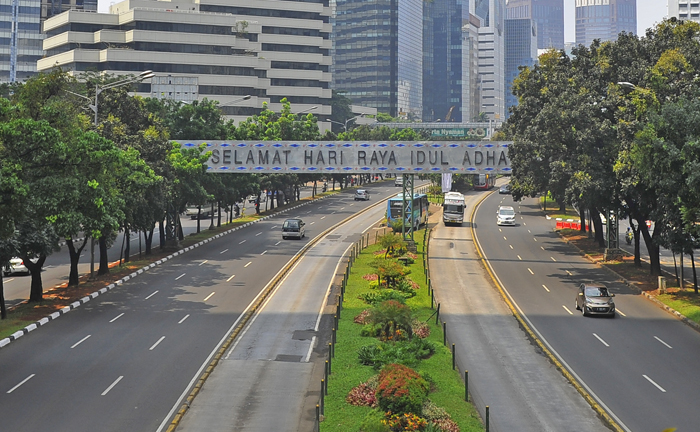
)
(50, 8)
(492, 14)
(217, 49)
(471, 80)
(521, 50)
(444, 60)
(378, 54)
(604, 19)
(684, 10)
(548, 15)
(22, 47)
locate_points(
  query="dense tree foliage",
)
(615, 127)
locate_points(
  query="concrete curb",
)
(695, 326)
(610, 422)
(31, 327)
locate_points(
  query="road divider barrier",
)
(568, 224)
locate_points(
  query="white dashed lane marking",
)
(209, 296)
(177, 278)
(601, 340)
(241, 242)
(151, 295)
(249, 263)
(667, 345)
(80, 341)
(183, 319)
(116, 317)
(545, 287)
(566, 309)
(112, 385)
(156, 344)
(531, 272)
(655, 385)
(203, 262)
(22, 382)
(223, 251)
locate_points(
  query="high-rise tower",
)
(604, 19)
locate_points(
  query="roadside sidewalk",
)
(507, 372)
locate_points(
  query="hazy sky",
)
(649, 12)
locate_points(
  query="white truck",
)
(453, 208)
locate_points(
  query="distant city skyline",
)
(649, 12)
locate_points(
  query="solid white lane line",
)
(519, 258)
(278, 243)
(203, 262)
(620, 312)
(116, 318)
(530, 271)
(80, 341)
(263, 253)
(179, 276)
(241, 242)
(151, 295)
(658, 339)
(249, 263)
(566, 309)
(17, 386)
(553, 259)
(209, 296)
(656, 385)
(112, 386)
(258, 234)
(511, 246)
(223, 251)
(545, 287)
(156, 344)
(601, 340)
(229, 279)
(183, 319)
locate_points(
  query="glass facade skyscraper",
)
(28, 39)
(521, 50)
(444, 60)
(378, 54)
(604, 19)
(547, 14)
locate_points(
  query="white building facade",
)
(684, 9)
(492, 58)
(214, 49)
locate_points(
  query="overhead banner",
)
(396, 157)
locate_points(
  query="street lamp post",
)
(307, 110)
(345, 125)
(94, 107)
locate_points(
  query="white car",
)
(362, 194)
(293, 227)
(15, 266)
(505, 216)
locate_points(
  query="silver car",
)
(595, 299)
(362, 194)
(293, 228)
(505, 216)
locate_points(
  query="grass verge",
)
(347, 372)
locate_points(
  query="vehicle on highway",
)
(418, 207)
(362, 194)
(505, 189)
(193, 211)
(505, 215)
(595, 299)
(484, 181)
(15, 266)
(398, 181)
(293, 228)
(453, 208)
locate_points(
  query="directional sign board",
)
(396, 157)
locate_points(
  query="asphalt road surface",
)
(524, 390)
(639, 366)
(122, 361)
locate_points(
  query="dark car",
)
(505, 189)
(595, 299)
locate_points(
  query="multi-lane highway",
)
(638, 366)
(122, 361)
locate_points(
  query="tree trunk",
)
(74, 276)
(695, 275)
(104, 260)
(652, 248)
(148, 236)
(682, 284)
(3, 310)
(582, 216)
(598, 226)
(211, 217)
(180, 232)
(218, 220)
(161, 232)
(675, 267)
(36, 292)
(127, 241)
